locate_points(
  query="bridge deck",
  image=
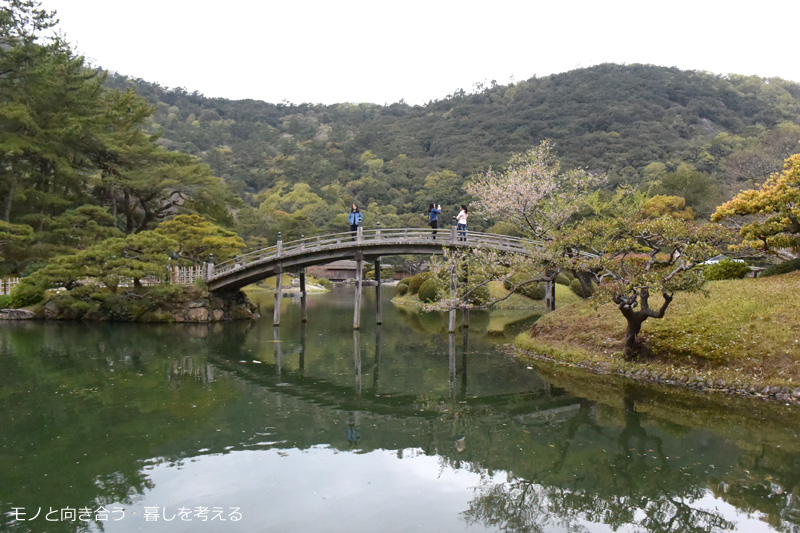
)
(263, 263)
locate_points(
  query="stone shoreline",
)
(16, 314)
(686, 380)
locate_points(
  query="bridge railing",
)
(447, 236)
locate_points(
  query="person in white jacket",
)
(461, 223)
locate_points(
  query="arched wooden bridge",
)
(365, 245)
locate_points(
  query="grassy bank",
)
(515, 308)
(745, 331)
(564, 296)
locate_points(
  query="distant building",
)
(343, 270)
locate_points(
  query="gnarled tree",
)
(631, 257)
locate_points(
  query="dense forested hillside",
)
(693, 134)
(609, 118)
(85, 156)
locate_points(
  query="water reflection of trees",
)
(623, 459)
(624, 490)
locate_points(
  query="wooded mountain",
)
(611, 118)
(85, 156)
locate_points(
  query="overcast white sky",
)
(382, 51)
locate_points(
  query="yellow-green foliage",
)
(777, 204)
(196, 238)
(662, 205)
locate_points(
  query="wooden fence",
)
(176, 276)
(7, 284)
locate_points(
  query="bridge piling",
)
(303, 309)
(359, 274)
(276, 314)
(378, 310)
(276, 339)
(451, 317)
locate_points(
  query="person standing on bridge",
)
(355, 218)
(461, 223)
(433, 212)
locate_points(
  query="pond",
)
(392, 428)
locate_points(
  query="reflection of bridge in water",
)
(369, 245)
(287, 374)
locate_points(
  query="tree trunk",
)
(635, 321)
(9, 201)
(626, 305)
(586, 279)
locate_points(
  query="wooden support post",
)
(464, 350)
(208, 268)
(302, 348)
(465, 317)
(357, 360)
(276, 339)
(549, 295)
(451, 353)
(276, 315)
(451, 322)
(303, 309)
(376, 372)
(378, 310)
(359, 274)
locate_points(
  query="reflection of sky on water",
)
(323, 489)
(319, 489)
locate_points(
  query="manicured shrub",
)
(26, 293)
(534, 291)
(576, 287)
(563, 279)
(429, 290)
(417, 280)
(726, 269)
(402, 289)
(480, 295)
(782, 268)
(4, 298)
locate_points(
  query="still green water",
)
(395, 428)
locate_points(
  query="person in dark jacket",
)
(355, 218)
(433, 213)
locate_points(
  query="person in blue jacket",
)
(355, 218)
(433, 212)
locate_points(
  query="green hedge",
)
(782, 268)
(534, 291)
(25, 293)
(429, 290)
(576, 287)
(726, 269)
(564, 279)
(417, 280)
